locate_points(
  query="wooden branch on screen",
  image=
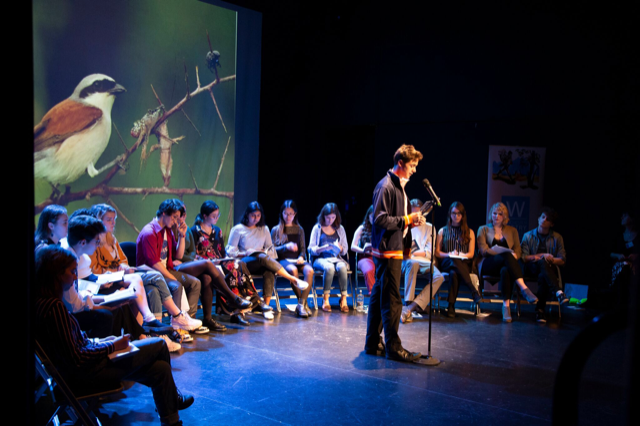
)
(103, 190)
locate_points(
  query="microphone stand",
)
(428, 359)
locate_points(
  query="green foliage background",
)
(142, 43)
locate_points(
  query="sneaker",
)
(540, 317)
(301, 312)
(506, 314)
(561, 297)
(302, 285)
(268, 315)
(406, 316)
(173, 346)
(155, 327)
(182, 336)
(184, 321)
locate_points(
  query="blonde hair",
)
(500, 207)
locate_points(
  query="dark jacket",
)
(555, 244)
(390, 220)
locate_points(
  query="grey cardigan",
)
(314, 242)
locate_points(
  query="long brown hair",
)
(280, 236)
(327, 210)
(51, 263)
(465, 235)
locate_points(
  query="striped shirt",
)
(60, 336)
(451, 240)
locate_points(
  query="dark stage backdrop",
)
(148, 46)
(346, 83)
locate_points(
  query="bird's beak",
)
(117, 89)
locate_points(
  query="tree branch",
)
(107, 191)
(215, 185)
(196, 92)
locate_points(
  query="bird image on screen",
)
(72, 135)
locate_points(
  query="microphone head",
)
(425, 182)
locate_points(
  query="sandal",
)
(326, 307)
(345, 307)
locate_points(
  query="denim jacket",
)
(555, 244)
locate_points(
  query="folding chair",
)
(77, 404)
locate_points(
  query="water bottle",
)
(360, 302)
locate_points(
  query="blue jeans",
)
(191, 286)
(329, 269)
(158, 291)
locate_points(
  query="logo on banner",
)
(518, 212)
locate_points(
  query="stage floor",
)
(314, 371)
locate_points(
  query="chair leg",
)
(275, 292)
(313, 291)
(353, 293)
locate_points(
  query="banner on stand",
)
(516, 178)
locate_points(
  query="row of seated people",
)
(201, 261)
(500, 253)
(171, 257)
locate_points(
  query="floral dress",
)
(211, 246)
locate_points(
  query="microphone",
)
(428, 187)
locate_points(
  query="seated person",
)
(625, 257)
(206, 272)
(327, 245)
(52, 226)
(84, 362)
(361, 244)
(107, 259)
(455, 247)
(155, 248)
(419, 263)
(209, 244)
(542, 251)
(499, 247)
(84, 236)
(288, 237)
(250, 241)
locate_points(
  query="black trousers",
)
(507, 267)
(96, 322)
(150, 366)
(385, 305)
(210, 277)
(263, 264)
(548, 280)
(459, 270)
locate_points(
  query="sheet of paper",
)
(124, 352)
(110, 278)
(88, 286)
(500, 249)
